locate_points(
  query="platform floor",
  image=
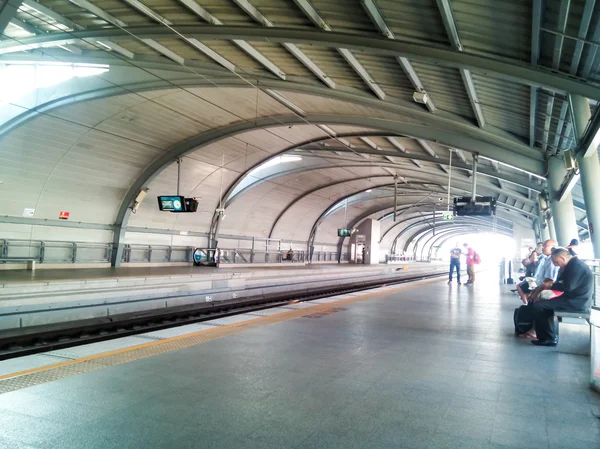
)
(427, 367)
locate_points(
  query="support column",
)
(544, 227)
(563, 211)
(589, 169)
(551, 228)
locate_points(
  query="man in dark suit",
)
(576, 281)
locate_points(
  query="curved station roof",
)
(296, 117)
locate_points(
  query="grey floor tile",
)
(375, 376)
(532, 424)
(469, 428)
(393, 435)
(25, 429)
(519, 439)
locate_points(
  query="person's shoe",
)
(544, 342)
(449, 282)
(458, 283)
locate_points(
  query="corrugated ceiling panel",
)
(336, 67)
(124, 12)
(298, 133)
(446, 88)
(283, 13)
(505, 105)
(152, 124)
(91, 113)
(196, 108)
(242, 102)
(343, 16)
(388, 74)
(501, 28)
(551, 19)
(416, 21)
(283, 59)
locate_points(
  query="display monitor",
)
(344, 232)
(171, 203)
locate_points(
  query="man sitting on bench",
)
(545, 270)
(576, 281)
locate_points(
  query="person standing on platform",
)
(455, 254)
(472, 260)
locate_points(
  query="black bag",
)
(523, 319)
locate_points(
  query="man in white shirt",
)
(545, 270)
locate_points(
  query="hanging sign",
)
(448, 215)
(64, 215)
(28, 213)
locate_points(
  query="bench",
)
(574, 332)
(30, 261)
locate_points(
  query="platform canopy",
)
(295, 116)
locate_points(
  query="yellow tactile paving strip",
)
(49, 373)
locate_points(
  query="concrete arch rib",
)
(465, 188)
(324, 214)
(397, 106)
(510, 70)
(194, 143)
(428, 223)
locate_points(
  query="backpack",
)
(523, 319)
(476, 258)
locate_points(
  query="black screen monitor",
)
(171, 203)
(344, 232)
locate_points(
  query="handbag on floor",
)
(523, 319)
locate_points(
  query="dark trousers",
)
(543, 315)
(455, 263)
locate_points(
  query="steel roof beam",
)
(445, 9)
(564, 127)
(21, 24)
(592, 53)
(584, 27)
(536, 25)
(565, 5)
(51, 14)
(507, 70)
(400, 147)
(377, 18)
(8, 12)
(437, 160)
(309, 10)
(245, 46)
(316, 189)
(251, 10)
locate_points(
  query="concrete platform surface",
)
(72, 274)
(433, 366)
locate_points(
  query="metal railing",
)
(392, 258)
(60, 252)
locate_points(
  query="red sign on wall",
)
(63, 215)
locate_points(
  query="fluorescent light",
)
(369, 191)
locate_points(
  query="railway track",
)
(21, 342)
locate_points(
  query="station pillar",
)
(364, 244)
(563, 212)
(551, 228)
(589, 169)
(544, 227)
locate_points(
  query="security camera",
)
(139, 198)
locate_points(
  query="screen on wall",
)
(173, 203)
